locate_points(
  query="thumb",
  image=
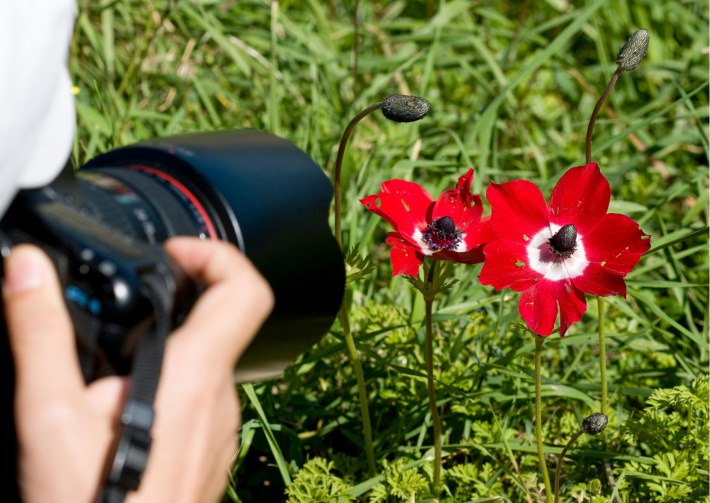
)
(39, 328)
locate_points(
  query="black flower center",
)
(442, 234)
(564, 242)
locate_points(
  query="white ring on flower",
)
(426, 250)
(551, 266)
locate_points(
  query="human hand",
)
(66, 429)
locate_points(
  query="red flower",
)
(449, 228)
(556, 254)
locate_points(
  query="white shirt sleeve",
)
(36, 101)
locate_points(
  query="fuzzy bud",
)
(404, 108)
(594, 424)
(633, 51)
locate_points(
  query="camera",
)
(104, 227)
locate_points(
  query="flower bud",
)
(594, 424)
(633, 51)
(404, 108)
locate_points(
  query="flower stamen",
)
(564, 242)
(442, 234)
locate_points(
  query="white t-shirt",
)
(36, 101)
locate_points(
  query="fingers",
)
(107, 396)
(39, 328)
(237, 301)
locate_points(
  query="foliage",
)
(474, 481)
(401, 482)
(512, 85)
(314, 483)
(357, 266)
(674, 430)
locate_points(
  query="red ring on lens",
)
(186, 192)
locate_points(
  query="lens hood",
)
(266, 196)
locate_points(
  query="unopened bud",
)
(634, 50)
(594, 424)
(404, 108)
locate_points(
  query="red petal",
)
(538, 306)
(405, 258)
(506, 266)
(581, 197)
(463, 207)
(413, 193)
(572, 305)
(518, 210)
(616, 243)
(474, 256)
(404, 205)
(600, 280)
(478, 235)
(464, 183)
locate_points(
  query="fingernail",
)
(25, 270)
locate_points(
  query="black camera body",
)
(100, 273)
(104, 231)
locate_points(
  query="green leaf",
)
(271, 439)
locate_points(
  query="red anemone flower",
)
(449, 228)
(555, 254)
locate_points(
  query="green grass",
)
(511, 96)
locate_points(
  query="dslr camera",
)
(103, 227)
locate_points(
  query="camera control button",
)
(107, 268)
(87, 254)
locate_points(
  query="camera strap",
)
(131, 454)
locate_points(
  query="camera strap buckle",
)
(133, 447)
(131, 454)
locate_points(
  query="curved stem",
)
(593, 118)
(559, 463)
(436, 423)
(362, 392)
(538, 417)
(602, 353)
(349, 341)
(339, 166)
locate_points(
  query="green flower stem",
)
(558, 473)
(602, 353)
(362, 393)
(354, 358)
(593, 118)
(432, 395)
(339, 165)
(538, 417)
(436, 423)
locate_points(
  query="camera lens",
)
(139, 203)
(250, 188)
